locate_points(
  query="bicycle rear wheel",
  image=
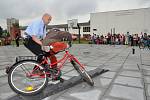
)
(82, 72)
(141, 45)
(23, 78)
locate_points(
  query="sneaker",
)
(58, 76)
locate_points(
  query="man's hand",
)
(34, 38)
(47, 48)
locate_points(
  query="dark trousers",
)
(33, 46)
(36, 49)
(17, 42)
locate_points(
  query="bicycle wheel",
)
(141, 45)
(23, 80)
(83, 73)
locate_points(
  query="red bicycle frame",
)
(67, 56)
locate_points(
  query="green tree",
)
(1, 31)
(5, 33)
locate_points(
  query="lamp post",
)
(79, 32)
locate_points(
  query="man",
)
(36, 38)
(17, 39)
(35, 32)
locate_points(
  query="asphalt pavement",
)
(128, 77)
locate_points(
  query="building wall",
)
(13, 30)
(76, 31)
(10, 22)
(133, 21)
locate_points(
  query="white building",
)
(84, 28)
(133, 21)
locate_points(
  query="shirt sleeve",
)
(35, 29)
(32, 29)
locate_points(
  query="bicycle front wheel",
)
(82, 72)
(24, 79)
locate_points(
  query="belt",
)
(27, 36)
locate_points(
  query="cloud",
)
(28, 10)
(76, 7)
(61, 10)
(19, 9)
(23, 10)
(111, 5)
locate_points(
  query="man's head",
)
(46, 18)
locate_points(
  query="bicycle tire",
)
(141, 45)
(86, 77)
(17, 90)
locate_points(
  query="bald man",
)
(35, 32)
(35, 38)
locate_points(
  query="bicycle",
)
(24, 81)
(143, 44)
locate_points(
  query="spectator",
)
(17, 39)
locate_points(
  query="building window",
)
(86, 29)
(94, 29)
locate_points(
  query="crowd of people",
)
(120, 39)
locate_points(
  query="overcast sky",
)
(62, 10)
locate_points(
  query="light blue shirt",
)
(37, 28)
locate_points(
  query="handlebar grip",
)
(51, 47)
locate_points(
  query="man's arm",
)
(34, 38)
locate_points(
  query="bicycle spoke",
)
(25, 69)
(22, 80)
